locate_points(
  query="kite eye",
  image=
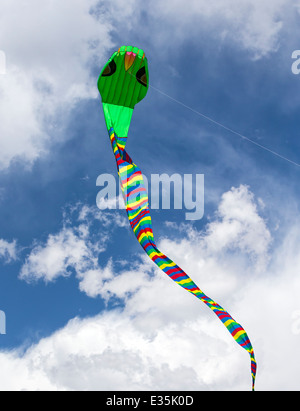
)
(110, 69)
(141, 76)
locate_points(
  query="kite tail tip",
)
(253, 368)
(253, 383)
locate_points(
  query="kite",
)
(124, 82)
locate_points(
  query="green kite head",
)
(124, 80)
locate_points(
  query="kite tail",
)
(137, 207)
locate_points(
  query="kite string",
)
(225, 127)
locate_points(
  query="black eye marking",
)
(110, 69)
(141, 76)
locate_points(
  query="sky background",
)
(85, 309)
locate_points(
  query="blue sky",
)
(78, 293)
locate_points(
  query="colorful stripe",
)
(137, 207)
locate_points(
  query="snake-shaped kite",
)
(124, 82)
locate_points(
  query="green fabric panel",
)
(107, 84)
(131, 97)
(141, 91)
(125, 88)
(118, 117)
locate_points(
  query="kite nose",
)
(129, 59)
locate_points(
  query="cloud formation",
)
(153, 341)
(49, 50)
(75, 248)
(251, 25)
(49, 70)
(8, 250)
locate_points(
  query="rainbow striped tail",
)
(137, 207)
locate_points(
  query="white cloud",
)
(21, 132)
(74, 248)
(237, 229)
(65, 250)
(92, 280)
(49, 49)
(8, 251)
(239, 226)
(254, 25)
(190, 350)
(112, 353)
(236, 241)
(163, 338)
